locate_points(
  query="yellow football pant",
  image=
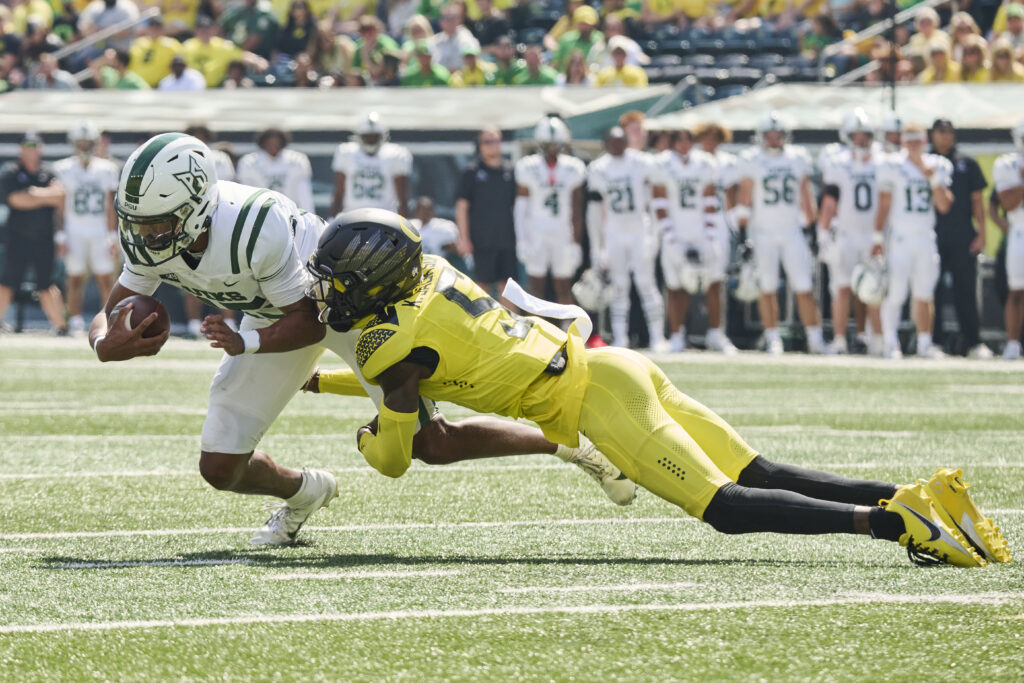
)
(660, 438)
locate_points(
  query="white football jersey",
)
(1006, 176)
(777, 179)
(623, 183)
(288, 173)
(912, 211)
(86, 190)
(685, 180)
(222, 162)
(255, 261)
(551, 189)
(858, 191)
(370, 179)
(727, 176)
(437, 234)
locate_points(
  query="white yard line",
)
(334, 576)
(151, 563)
(856, 599)
(620, 588)
(120, 533)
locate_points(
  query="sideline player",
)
(549, 210)
(691, 257)
(370, 172)
(621, 179)
(775, 192)
(428, 330)
(846, 226)
(1008, 177)
(90, 228)
(246, 248)
(278, 168)
(912, 186)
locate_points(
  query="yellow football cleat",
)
(948, 493)
(928, 539)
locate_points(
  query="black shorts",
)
(495, 264)
(23, 252)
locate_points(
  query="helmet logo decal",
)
(194, 179)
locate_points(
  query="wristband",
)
(741, 213)
(251, 339)
(709, 204)
(877, 238)
(935, 180)
(60, 238)
(97, 340)
(659, 203)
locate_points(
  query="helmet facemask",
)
(156, 239)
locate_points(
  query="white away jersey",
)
(288, 173)
(255, 262)
(685, 179)
(437, 234)
(858, 191)
(623, 184)
(370, 179)
(912, 211)
(777, 179)
(86, 188)
(727, 176)
(222, 162)
(551, 189)
(1006, 176)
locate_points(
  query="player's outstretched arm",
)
(116, 341)
(341, 382)
(389, 450)
(297, 329)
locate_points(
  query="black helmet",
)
(366, 259)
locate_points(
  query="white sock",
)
(924, 342)
(772, 334)
(563, 452)
(815, 336)
(301, 496)
(679, 334)
(193, 327)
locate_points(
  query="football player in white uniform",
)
(278, 168)
(847, 223)
(622, 179)
(691, 256)
(548, 211)
(89, 235)
(247, 248)
(911, 187)
(370, 172)
(1008, 177)
(775, 199)
(711, 136)
(891, 129)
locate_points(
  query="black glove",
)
(693, 256)
(745, 251)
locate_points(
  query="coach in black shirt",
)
(483, 212)
(959, 242)
(33, 194)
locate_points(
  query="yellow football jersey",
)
(151, 59)
(211, 59)
(485, 358)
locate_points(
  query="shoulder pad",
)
(380, 346)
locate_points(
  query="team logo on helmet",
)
(194, 179)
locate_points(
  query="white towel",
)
(548, 309)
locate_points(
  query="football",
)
(142, 306)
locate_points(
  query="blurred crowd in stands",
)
(197, 44)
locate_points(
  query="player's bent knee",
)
(723, 513)
(222, 471)
(430, 444)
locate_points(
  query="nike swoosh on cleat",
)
(932, 529)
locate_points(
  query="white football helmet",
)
(165, 197)
(371, 127)
(870, 281)
(593, 291)
(771, 122)
(552, 129)
(856, 122)
(1018, 136)
(83, 137)
(891, 129)
(745, 287)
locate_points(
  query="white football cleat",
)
(837, 347)
(676, 343)
(980, 352)
(1012, 350)
(774, 347)
(717, 341)
(616, 486)
(282, 526)
(816, 346)
(933, 352)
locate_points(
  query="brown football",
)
(142, 306)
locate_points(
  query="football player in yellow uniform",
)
(427, 329)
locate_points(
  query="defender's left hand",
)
(222, 336)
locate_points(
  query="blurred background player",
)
(685, 198)
(549, 210)
(225, 171)
(278, 168)
(1008, 175)
(439, 235)
(775, 194)
(370, 172)
(34, 195)
(89, 236)
(912, 185)
(710, 136)
(847, 223)
(621, 179)
(891, 128)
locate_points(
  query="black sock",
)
(735, 509)
(886, 525)
(764, 474)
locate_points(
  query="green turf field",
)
(117, 562)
